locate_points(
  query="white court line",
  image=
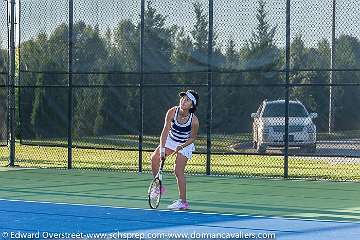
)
(6, 169)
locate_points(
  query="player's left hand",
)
(178, 148)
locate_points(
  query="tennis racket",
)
(154, 191)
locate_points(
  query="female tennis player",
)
(177, 138)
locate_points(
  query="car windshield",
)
(278, 110)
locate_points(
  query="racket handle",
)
(162, 161)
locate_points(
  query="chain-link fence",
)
(3, 112)
(3, 72)
(4, 66)
(278, 84)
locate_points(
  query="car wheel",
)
(261, 148)
(310, 148)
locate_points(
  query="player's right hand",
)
(162, 153)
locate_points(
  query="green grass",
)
(220, 143)
(241, 165)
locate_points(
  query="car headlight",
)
(310, 128)
(266, 129)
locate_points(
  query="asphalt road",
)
(346, 148)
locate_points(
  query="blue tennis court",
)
(29, 219)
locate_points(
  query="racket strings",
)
(154, 193)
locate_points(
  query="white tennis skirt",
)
(186, 151)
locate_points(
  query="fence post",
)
(70, 71)
(287, 76)
(12, 120)
(332, 75)
(141, 83)
(209, 83)
(8, 75)
(20, 132)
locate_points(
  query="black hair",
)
(196, 95)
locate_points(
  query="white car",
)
(269, 126)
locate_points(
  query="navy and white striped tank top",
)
(180, 132)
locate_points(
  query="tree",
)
(347, 115)
(298, 60)
(158, 48)
(33, 54)
(182, 54)
(49, 112)
(3, 59)
(49, 108)
(262, 53)
(90, 54)
(116, 113)
(262, 57)
(191, 53)
(3, 105)
(229, 101)
(126, 45)
(158, 41)
(232, 60)
(44, 109)
(314, 98)
(201, 28)
(191, 50)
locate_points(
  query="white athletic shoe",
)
(179, 205)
